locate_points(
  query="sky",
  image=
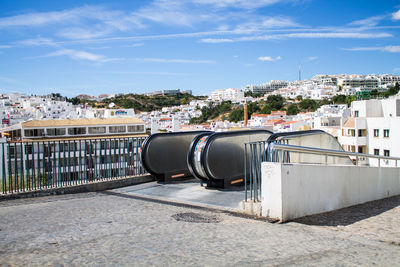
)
(96, 47)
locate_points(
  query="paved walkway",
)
(104, 229)
(188, 191)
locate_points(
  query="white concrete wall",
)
(291, 191)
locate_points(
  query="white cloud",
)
(84, 22)
(215, 41)
(309, 59)
(66, 16)
(173, 12)
(134, 45)
(40, 41)
(164, 60)
(147, 73)
(81, 55)
(268, 58)
(263, 23)
(351, 35)
(371, 21)
(5, 46)
(80, 33)
(396, 15)
(390, 48)
(238, 3)
(306, 35)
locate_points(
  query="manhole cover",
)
(196, 218)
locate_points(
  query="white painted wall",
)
(291, 191)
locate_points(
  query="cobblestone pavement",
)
(98, 229)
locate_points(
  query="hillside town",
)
(356, 126)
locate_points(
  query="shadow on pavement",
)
(350, 215)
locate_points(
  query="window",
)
(77, 131)
(386, 153)
(386, 133)
(376, 132)
(28, 149)
(356, 113)
(135, 128)
(34, 132)
(376, 152)
(97, 130)
(55, 131)
(117, 129)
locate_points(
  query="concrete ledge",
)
(250, 207)
(81, 188)
(291, 191)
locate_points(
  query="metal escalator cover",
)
(165, 153)
(222, 157)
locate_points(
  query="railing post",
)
(245, 172)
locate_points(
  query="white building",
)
(266, 87)
(230, 94)
(373, 128)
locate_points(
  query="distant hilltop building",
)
(230, 94)
(267, 87)
(359, 81)
(169, 92)
(85, 97)
(114, 113)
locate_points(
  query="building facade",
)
(373, 128)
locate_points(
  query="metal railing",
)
(258, 152)
(329, 153)
(37, 165)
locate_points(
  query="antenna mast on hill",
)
(299, 71)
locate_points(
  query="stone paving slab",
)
(189, 191)
(100, 229)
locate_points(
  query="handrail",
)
(329, 152)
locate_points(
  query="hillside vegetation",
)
(141, 102)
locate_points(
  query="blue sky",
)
(95, 47)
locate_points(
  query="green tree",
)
(275, 101)
(339, 99)
(292, 109)
(349, 99)
(236, 115)
(308, 104)
(299, 97)
(266, 109)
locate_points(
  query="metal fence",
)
(31, 166)
(258, 152)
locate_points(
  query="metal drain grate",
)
(196, 218)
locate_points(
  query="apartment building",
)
(373, 128)
(359, 81)
(267, 87)
(230, 94)
(72, 149)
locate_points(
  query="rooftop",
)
(79, 122)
